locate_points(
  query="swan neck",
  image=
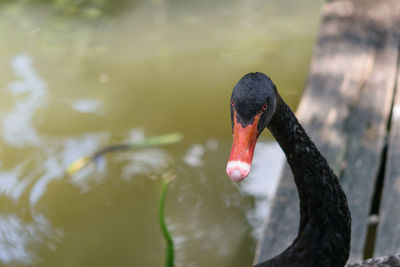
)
(324, 214)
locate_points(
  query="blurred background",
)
(80, 75)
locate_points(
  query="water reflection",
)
(10, 184)
(88, 106)
(263, 182)
(161, 67)
(193, 156)
(75, 148)
(149, 162)
(31, 93)
(18, 238)
(53, 170)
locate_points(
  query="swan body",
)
(323, 237)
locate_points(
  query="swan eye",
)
(264, 107)
(232, 103)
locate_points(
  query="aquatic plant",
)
(167, 178)
(169, 249)
(160, 140)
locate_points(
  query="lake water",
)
(71, 84)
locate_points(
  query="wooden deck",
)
(351, 109)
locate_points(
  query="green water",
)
(70, 84)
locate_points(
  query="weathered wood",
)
(388, 235)
(367, 127)
(344, 109)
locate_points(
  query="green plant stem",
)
(169, 251)
(160, 140)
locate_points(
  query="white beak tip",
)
(237, 170)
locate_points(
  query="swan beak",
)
(244, 143)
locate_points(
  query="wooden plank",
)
(388, 234)
(367, 127)
(354, 43)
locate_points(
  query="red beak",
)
(244, 143)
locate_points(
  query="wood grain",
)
(388, 235)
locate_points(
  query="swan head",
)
(253, 103)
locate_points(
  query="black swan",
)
(324, 233)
